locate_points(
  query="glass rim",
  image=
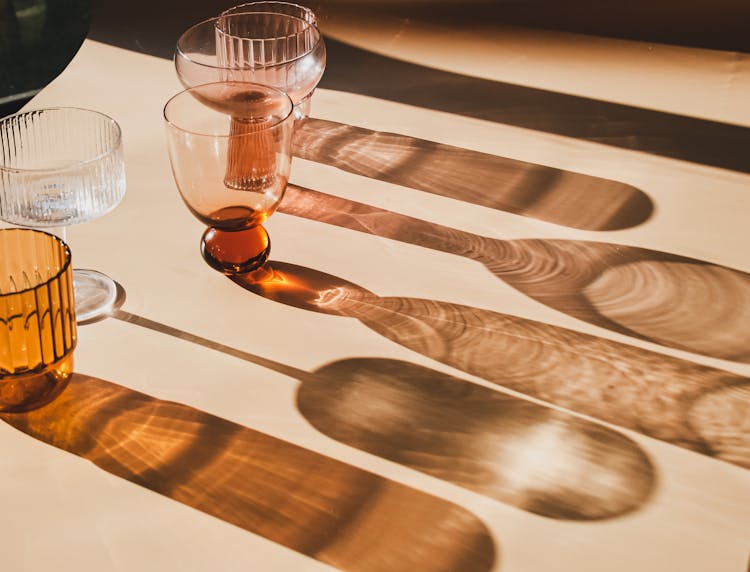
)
(58, 274)
(179, 51)
(313, 21)
(113, 148)
(187, 91)
(308, 26)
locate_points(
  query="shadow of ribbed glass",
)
(526, 455)
(692, 406)
(356, 70)
(326, 509)
(647, 294)
(554, 195)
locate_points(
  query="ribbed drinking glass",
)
(37, 318)
(280, 41)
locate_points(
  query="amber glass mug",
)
(37, 318)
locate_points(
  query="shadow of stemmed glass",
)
(692, 406)
(334, 512)
(526, 455)
(545, 193)
(647, 294)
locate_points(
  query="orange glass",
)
(37, 318)
(230, 149)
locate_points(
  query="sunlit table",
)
(491, 346)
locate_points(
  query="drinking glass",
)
(271, 43)
(37, 318)
(280, 41)
(58, 167)
(230, 149)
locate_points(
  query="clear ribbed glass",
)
(59, 166)
(271, 43)
(37, 318)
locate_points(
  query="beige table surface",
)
(60, 511)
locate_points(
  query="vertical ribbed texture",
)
(268, 33)
(59, 167)
(251, 156)
(37, 317)
(273, 43)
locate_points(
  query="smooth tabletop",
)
(508, 332)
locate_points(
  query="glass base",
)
(19, 393)
(95, 294)
(237, 251)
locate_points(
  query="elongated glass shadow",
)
(713, 143)
(326, 509)
(699, 408)
(554, 195)
(647, 294)
(526, 455)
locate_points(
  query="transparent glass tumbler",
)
(59, 167)
(37, 318)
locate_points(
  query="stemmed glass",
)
(58, 167)
(230, 147)
(270, 43)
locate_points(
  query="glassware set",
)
(249, 75)
(233, 170)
